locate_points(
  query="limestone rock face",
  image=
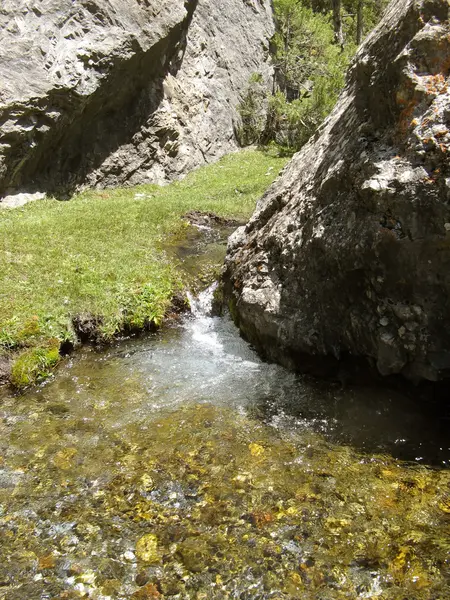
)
(348, 253)
(109, 92)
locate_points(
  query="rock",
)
(47, 562)
(207, 220)
(17, 200)
(141, 578)
(147, 592)
(129, 556)
(109, 92)
(147, 549)
(348, 254)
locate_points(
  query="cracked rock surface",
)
(347, 256)
(114, 92)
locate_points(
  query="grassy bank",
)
(98, 259)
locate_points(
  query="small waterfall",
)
(201, 305)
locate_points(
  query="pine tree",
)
(337, 23)
(314, 42)
(359, 22)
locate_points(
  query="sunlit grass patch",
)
(100, 254)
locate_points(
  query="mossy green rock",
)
(34, 364)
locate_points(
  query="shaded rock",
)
(114, 92)
(348, 253)
(179, 304)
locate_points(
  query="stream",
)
(179, 465)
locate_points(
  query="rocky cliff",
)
(109, 92)
(348, 254)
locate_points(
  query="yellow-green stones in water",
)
(163, 473)
(147, 549)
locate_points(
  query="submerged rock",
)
(348, 253)
(104, 93)
(147, 549)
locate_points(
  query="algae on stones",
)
(208, 501)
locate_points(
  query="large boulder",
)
(111, 92)
(348, 254)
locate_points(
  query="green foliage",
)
(103, 254)
(371, 10)
(370, 13)
(304, 48)
(252, 110)
(310, 71)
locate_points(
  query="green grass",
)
(100, 255)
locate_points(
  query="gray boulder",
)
(347, 256)
(113, 92)
(18, 200)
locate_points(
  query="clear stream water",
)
(179, 465)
